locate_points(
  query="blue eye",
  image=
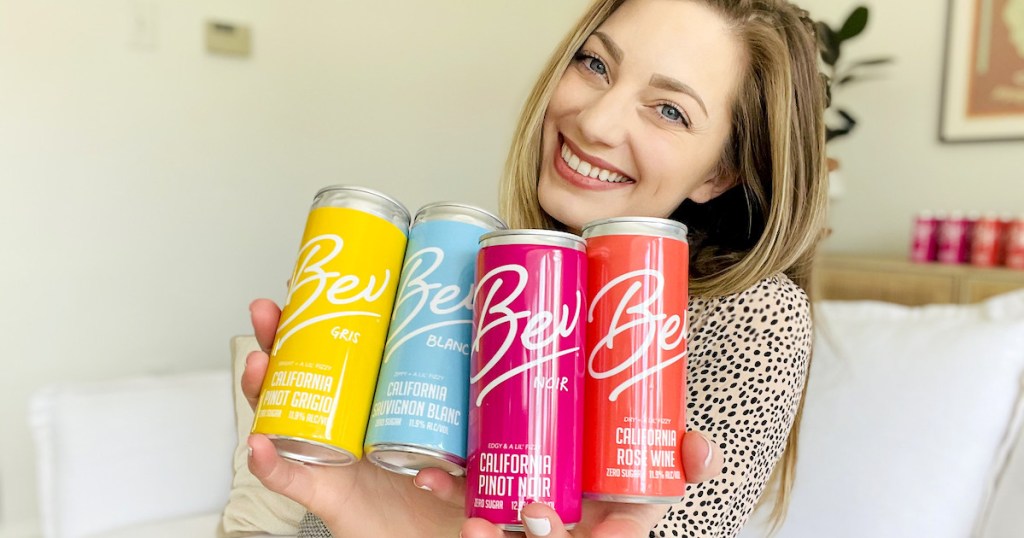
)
(673, 114)
(592, 63)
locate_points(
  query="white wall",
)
(893, 164)
(147, 195)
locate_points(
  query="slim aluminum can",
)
(1015, 244)
(953, 239)
(419, 412)
(985, 242)
(925, 241)
(636, 360)
(526, 376)
(323, 366)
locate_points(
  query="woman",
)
(707, 111)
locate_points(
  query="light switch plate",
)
(228, 38)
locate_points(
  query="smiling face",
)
(638, 121)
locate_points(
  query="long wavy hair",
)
(773, 220)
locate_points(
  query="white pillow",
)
(251, 507)
(1004, 517)
(908, 412)
(117, 453)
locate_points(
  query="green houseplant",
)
(840, 71)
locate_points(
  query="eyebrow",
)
(673, 85)
(613, 49)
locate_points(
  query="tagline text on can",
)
(526, 377)
(636, 360)
(323, 366)
(420, 408)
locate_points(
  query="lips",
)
(588, 171)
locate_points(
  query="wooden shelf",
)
(848, 277)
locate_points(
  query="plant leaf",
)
(828, 42)
(854, 24)
(872, 61)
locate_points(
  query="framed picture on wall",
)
(983, 77)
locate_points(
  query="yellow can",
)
(323, 367)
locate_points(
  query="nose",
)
(604, 119)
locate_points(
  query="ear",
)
(713, 186)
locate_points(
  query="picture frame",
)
(983, 72)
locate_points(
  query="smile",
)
(584, 168)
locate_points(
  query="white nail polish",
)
(424, 487)
(711, 452)
(538, 526)
(250, 451)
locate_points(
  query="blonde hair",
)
(772, 222)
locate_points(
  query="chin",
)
(570, 211)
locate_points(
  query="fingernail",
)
(250, 451)
(538, 526)
(711, 452)
(416, 482)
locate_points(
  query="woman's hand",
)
(364, 500)
(357, 500)
(701, 461)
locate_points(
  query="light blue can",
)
(420, 409)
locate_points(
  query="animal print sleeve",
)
(748, 359)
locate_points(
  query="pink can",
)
(954, 243)
(925, 241)
(526, 376)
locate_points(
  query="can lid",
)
(380, 203)
(533, 237)
(636, 226)
(459, 212)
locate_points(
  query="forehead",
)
(683, 39)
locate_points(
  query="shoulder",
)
(775, 295)
(774, 312)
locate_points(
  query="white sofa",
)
(910, 430)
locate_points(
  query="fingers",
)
(252, 377)
(293, 480)
(479, 528)
(443, 485)
(265, 316)
(702, 459)
(541, 521)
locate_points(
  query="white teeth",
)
(586, 169)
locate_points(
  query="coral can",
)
(1015, 243)
(526, 376)
(986, 241)
(323, 366)
(636, 360)
(419, 412)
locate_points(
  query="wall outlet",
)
(227, 38)
(143, 22)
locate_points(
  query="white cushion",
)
(1004, 517)
(117, 453)
(251, 507)
(202, 526)
(908, 411)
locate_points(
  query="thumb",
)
(702, 459)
